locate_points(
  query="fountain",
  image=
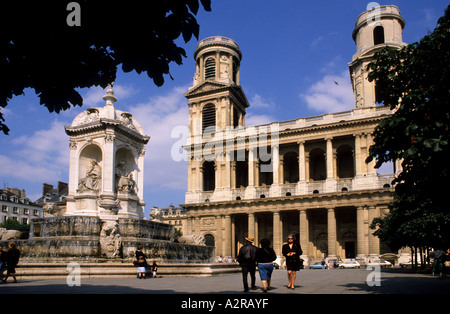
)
(103, 221)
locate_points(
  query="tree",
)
(415, 82)
(55, 47)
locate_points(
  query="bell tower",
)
(378, 27)
(216, 100)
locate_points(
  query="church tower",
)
(217, 105)
(216, 100)
(376, 28)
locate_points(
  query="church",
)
(306, 176)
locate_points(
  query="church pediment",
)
(205, 87)
(209, 87)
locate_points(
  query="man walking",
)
(246, 259)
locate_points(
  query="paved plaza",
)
(319, 281)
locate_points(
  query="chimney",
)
(46, 188)
(62, 188)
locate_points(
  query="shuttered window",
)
(208, 118)
(210, 68)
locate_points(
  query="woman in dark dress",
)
(292, 251)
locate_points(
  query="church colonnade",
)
(334, 232)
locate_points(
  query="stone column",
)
(218, 240)
(109, 165)
(251, 167)
(276, 164)
(358, 168)
(301, 161)
(329, 158)
(277, 241)
(374, 241)
(331, 233)
(304, 232)
(227, 236)
(360, 233)
(251, 224)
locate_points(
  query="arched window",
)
(290, 166)
(210, 68)
(209, 118)
(209, 176)
(345, 162)
(378, 35)
(317, 165)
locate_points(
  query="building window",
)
(317, 165)
(4, 208)
(378, 35)
(290, 166)
(210, 68)
(209, 118)
(36, 212)
(209, 176)
(15, 210)
(345, 162)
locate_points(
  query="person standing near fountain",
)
(141, 262)
(12, 259)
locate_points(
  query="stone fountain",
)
(104, 215)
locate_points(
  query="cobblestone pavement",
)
(319, 281)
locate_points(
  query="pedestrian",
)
(292, 251)
(12, 259)
(246, 259)
(438, 256)
(265, 256)
(141, 263)
(154, 268)
(2, 261)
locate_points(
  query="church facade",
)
(306, 176)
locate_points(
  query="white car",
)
(380, 263)
(349, 264)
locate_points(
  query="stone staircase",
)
(119, 270)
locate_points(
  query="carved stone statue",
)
(51, 210)
(125, 182)
(92, 179)
(110, 239)
(155, 214)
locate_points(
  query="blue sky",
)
(293, 51)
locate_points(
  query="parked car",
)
(318, 265)
(349, 264)
(380, 263)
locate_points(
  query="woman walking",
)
(265, 256)
(292, 251)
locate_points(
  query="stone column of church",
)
(301, 161)
(331, 217)
(251, 167)
(276, 164)
(251, 224)
(304, 232)
(277, 241)
(227, 236)
(329, 159)
(374, 241)
(219, 238)
(358, 167)
(360, 233)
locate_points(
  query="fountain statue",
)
(104, 214)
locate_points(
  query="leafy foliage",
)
(415, 81)
(12, 224)
(40, 50)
